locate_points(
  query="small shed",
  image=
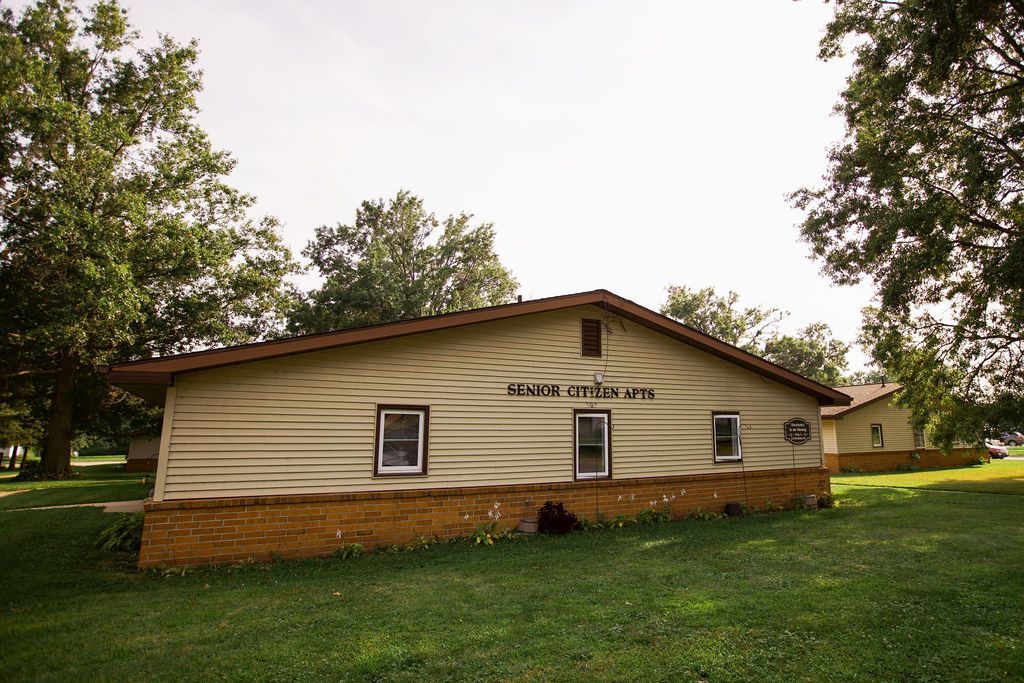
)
(143, 452)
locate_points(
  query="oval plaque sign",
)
(797, 430)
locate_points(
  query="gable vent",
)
(591, 341)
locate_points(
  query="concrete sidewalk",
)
(111, 506)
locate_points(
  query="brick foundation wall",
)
(874, 461)
(234, 529)
(140, 465)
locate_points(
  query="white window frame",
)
(605, 419)
(419, 468)
(739, 436)
(881, 436)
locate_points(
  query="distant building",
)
(143, 452)
(872, 434)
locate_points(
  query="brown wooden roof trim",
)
(162, 370)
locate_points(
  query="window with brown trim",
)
(876, 436)
(401, 443)
(590, 333)
(593, 443)
(725, 432)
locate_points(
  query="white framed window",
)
(726, 433)
(401, 447)
(919, 440)
(876, 436)
(593, 443)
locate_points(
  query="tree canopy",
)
(722, 318)
(813, 352)
(119, 235)
(386, 266)
(923, 198)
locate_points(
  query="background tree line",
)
(812, 351)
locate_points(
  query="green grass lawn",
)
(91, 484)
(998, 476)
(1017, 451)
(895, 584)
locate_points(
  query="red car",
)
(996, 451)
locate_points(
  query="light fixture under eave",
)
(599, 378)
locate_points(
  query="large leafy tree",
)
(118, 234)
(812, 352)
(389, 266)
(923, 198)
(722, 317)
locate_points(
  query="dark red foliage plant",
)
(553, 518)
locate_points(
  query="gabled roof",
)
(161, 371)
(862, 395)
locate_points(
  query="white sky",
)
(620, 145)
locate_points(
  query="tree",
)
(924, 198)
(119, 235)
(867, 376)
(386, 267)
(813, 353)
(722, 318)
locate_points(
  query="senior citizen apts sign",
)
(580, 391)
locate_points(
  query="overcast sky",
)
(620, 145)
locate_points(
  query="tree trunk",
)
(56, 456)
(14, 457)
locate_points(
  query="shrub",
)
(553, 518)
(825, 500)
(349, 550)
(770, 506)
(485, 534)
(653, 516)
(701, 513)
(850, 469)
(124, 534)
(907, 467)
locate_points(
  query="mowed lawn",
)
(90, 484)
(896, 583)
(998, 476)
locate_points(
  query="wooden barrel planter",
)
(528, 525)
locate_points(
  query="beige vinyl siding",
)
(305, 423)
(853, 431)
(828, 436)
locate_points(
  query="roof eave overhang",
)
(161, 371)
